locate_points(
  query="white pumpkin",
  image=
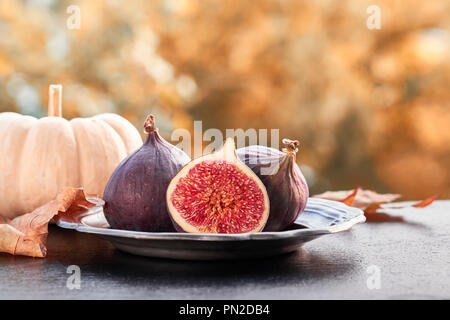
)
(39, 157)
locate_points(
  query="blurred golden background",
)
(370, 107)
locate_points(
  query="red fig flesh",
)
(136, 192)
(285, 183)
(217, 193)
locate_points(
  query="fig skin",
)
(135, 196)
(285, 184)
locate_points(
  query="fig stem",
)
(149, 124)
(55, 100)
(228, 150)
(291, 145)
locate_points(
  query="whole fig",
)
(135, 196)
(285, 184)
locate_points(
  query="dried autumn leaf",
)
(359, 198)
(373, 216)
(372, 208)
(425, 202)
(420, 204)
(350, 198)
(371, 201)
(27, 234)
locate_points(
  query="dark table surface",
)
(411, 257)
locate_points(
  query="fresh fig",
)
(136, 191)
(283, 179)
(217, 193)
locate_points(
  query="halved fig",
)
(218, 193)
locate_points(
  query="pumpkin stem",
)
(149, 124)
(291, 145)
(55, 100)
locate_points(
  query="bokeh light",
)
(371, 108)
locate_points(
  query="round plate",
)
(320, 217)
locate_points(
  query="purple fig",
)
(284, 182)
(135, 196)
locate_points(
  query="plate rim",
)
(142, 235)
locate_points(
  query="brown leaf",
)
(420, 204)
(27, 234)
(358, 197)
(370, 201)
(383, 217)
(350, 198)
(373, 207)
(425, 202)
